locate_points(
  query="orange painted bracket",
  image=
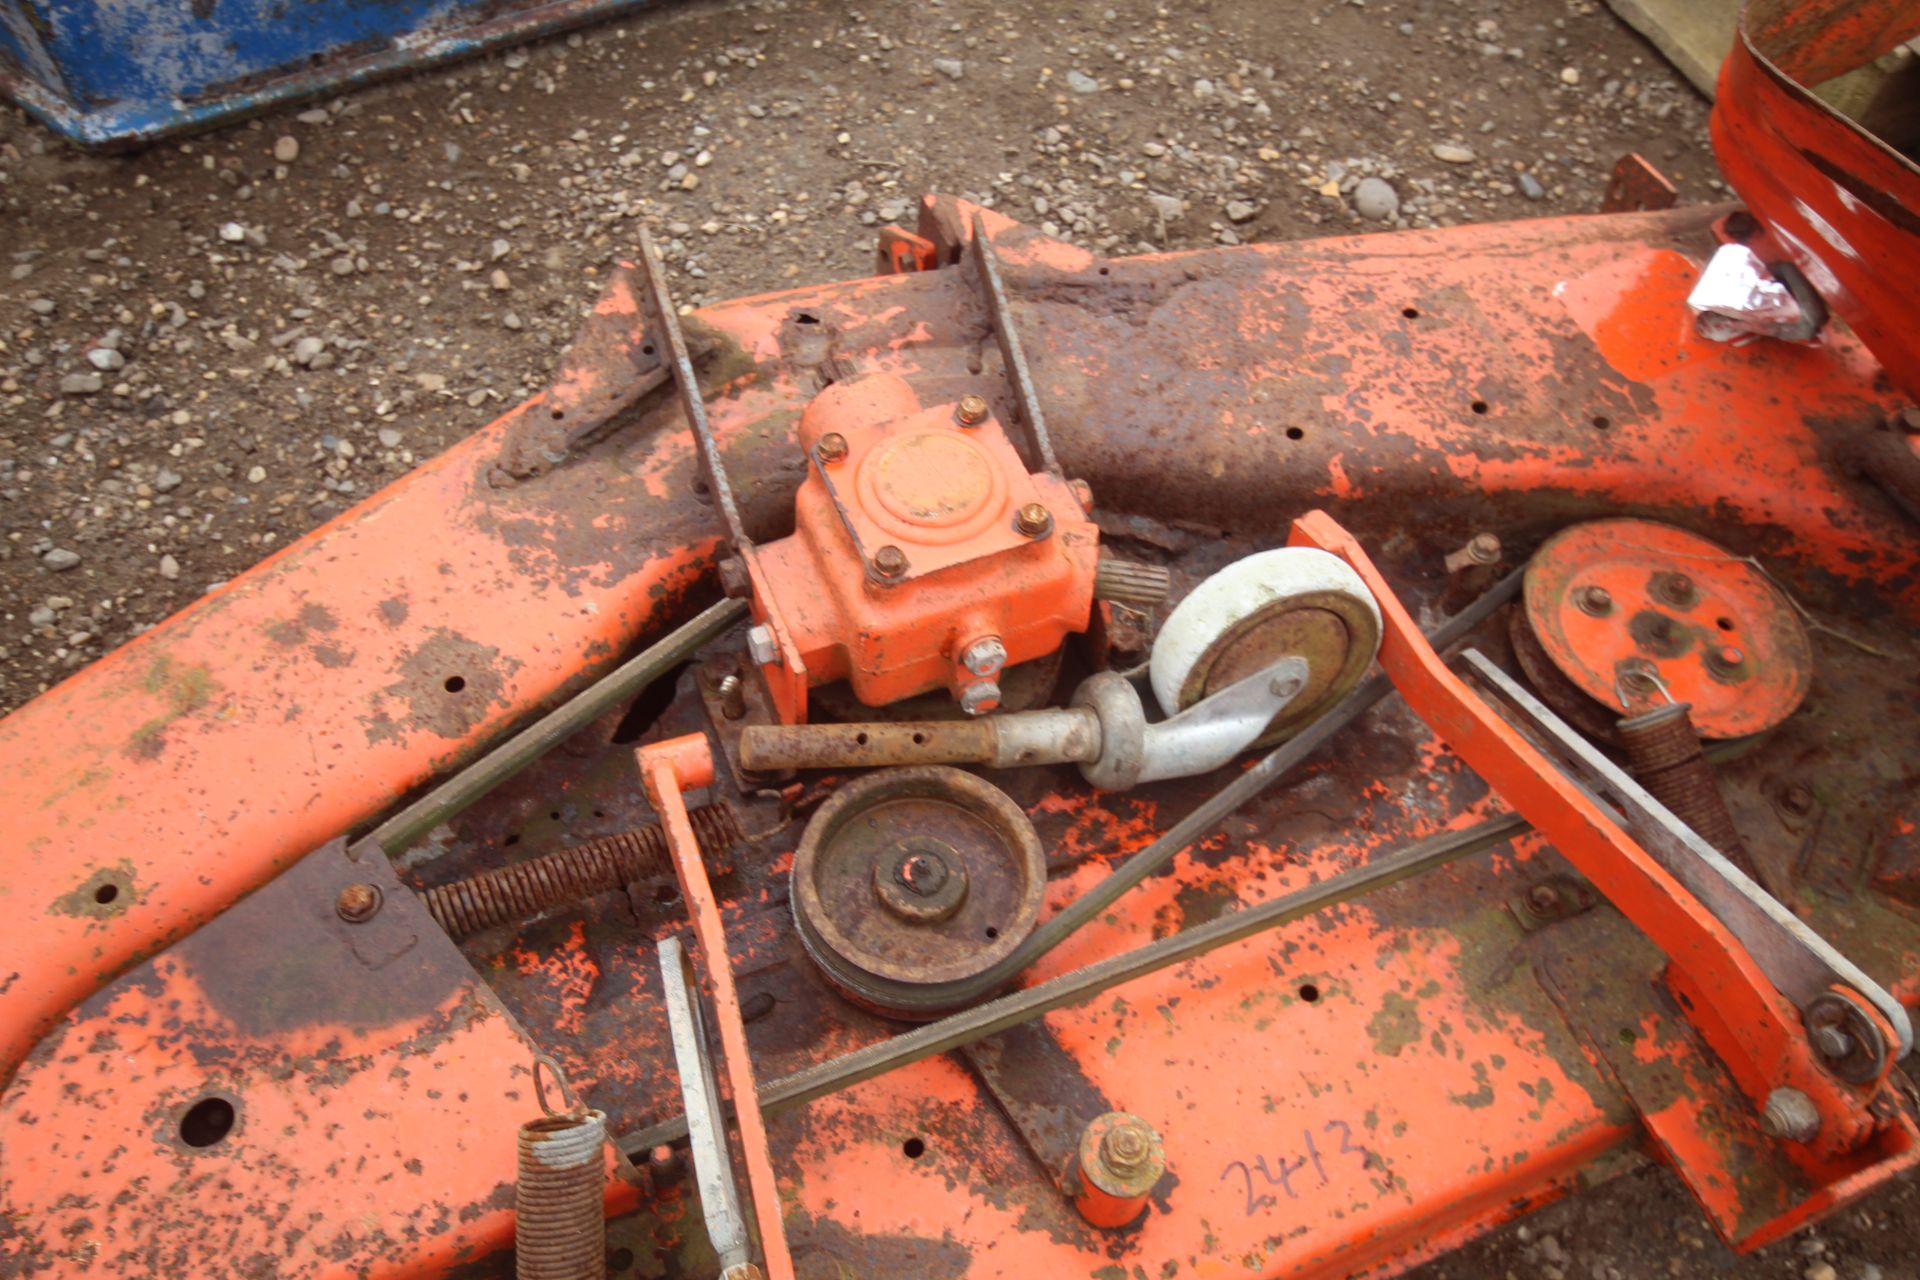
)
(666, 768)
(1865, 1136)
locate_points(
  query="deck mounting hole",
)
(456, 683)
(647, 350)
(1411, 313)
(206, 1122)
(1725, 624)
(1601, 422)
(1479, 406)
(913, 1148)
(1295, 433)
(1309, 993)
(559, 413)
(106, 893)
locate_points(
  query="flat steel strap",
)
(700, 1094)
(663, 317)
(1797, 961)
(1012, 354)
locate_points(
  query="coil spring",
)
(599, 866)
(1663, 751)
(560, 1225)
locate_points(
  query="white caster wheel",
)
(1291, 601)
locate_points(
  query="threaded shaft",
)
(1663, 752)
(559, 1210)
(1130, 582)
(527, 888)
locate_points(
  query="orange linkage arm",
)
(666, 768)
(1748, 1023)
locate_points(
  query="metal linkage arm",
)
(1755, 1029)
(666, 768)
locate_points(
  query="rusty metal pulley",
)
(1626, 609)
(909, 882)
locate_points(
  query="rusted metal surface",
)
(510, 894)
(1206, 397)
(1044, 1092)
(1615, 603)
(910, 882)
(1635, 186)
(222, 1062)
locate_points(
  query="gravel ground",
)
(209, 347)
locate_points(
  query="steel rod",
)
(465, 788)
(1024, 1005)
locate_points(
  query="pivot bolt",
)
(972, 410)
(1033, 519)
(985, 656)
(978, 699)
(1831, 1042)
(761, 647)
(889, 561)
(832, 447)
(1797, 800)
(1596, 601)
(1127, 1147)
(1790, 1114)
(1544, 899)
(357, 902)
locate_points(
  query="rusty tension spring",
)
(560, 1227)
(1663, 750)
(527, 888)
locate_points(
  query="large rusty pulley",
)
(909, 882)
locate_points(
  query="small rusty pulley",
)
(1634, 613)
(908, 882)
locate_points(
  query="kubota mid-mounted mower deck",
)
(1440, 710)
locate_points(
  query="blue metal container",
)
(109, 73)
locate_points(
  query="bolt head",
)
(1484, 548)
(971, 411)
(1033, 519)
(1831, 1042)
(980, 698)
(1083, 492)
(1594, 600)
(1790, 1115)
(1543, 898)
(1126, 1147)
(1797, 800)
(889, 561)
(761, 646)
(832, 447)
(984, 656)
(357, 902)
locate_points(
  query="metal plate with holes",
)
(1612, 598)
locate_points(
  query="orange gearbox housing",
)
(909, 547)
